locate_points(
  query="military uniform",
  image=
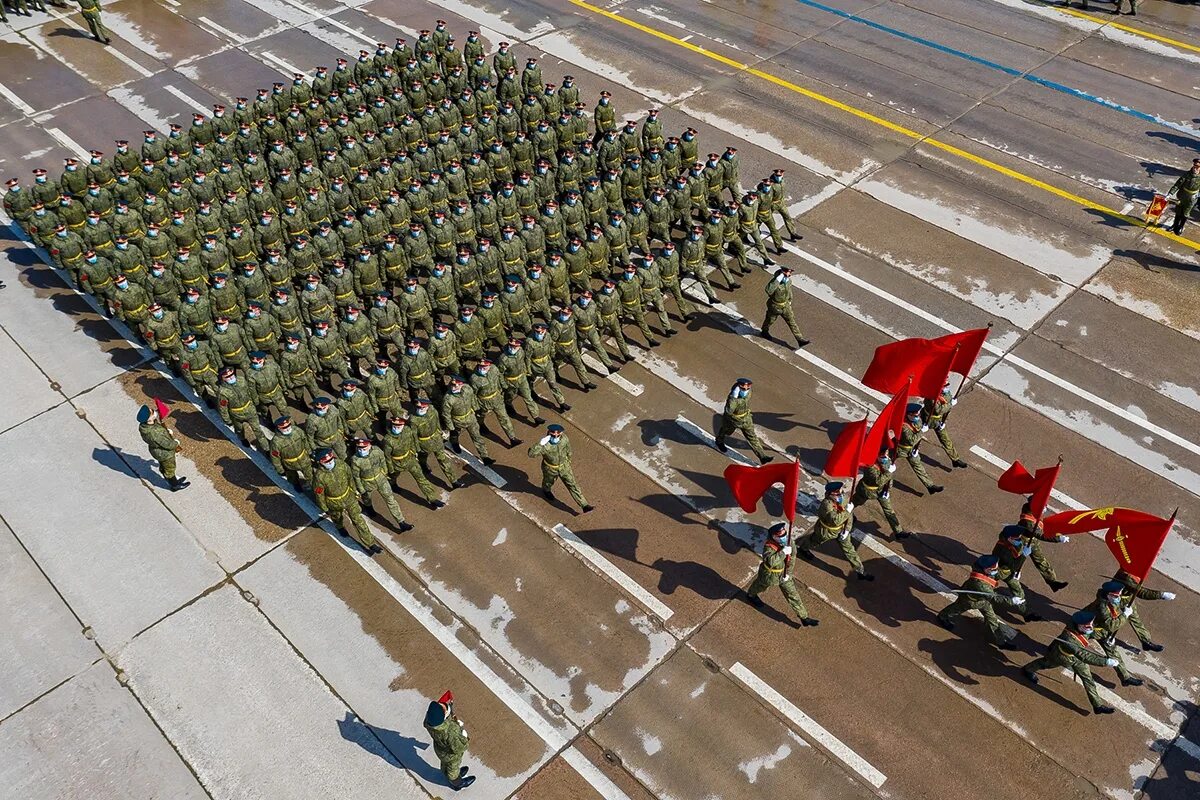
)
(371, 474)
(1111, 611)
(555, 452)
(450, 741)
(935, 412)
(979, 593)
(291, 455)
(334, 489)
(459, 413)
(235, 404)
(779, 306)
(1034, 536)
(912, 433)
(876, 484)
(776, 570)
(401, 448)
(1070, 650)
(1134, 591)
(163, 446)
(489, 393)
(736, 417)
(428, 429)
(833, 522)
(1186, 189)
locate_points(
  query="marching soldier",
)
(514, 368)
(326, 428)
(876, 484)
(430, 438)
(460, 408)
(400, 447)
(162, 443)
(1071, 650)
(834, 520)
(1185, 190)
(1034, 536)
(555, 450)
(1111, 611)
(539, 347)
(737, 417)
(266, 379)
(333, 487)
(779, 305)
(779, 203)
(449, 737)
(235, 404)
(291, 453)
(370, 469)
(776, 570)
(935, 412)
(979, 593)
(1012, 550)
(489, 394)
(1135, 591)
(912, 433)
(91, 13)
(199, 365)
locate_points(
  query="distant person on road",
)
(91, 12)
(162, 443)
(1185, 191)
(450, 740)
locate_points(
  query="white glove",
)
(953, 401)
(1127, 611)
(923, 429)
(787, 551)
(1017, 577)
(884, 495)
(544, 440)
(1168, 595)
(843, 536)
(891, 468)
(941, 426)
(445, 436)
(1062, 538)
(1018, 601)
(850, 508)
(1110, 662)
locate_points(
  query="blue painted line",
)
(1016, 73)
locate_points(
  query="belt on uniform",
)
(338, 497)
(404, 455)
(344, 295)
(293, 459)
(552, 467)
(231, 353)
(468, 284)
(373, 477)
(240, 408)
(735, 415)
(869, 487)
(426, 438)
(207, 368)
(261, 339)
(773, 571)
(539, 359)
(830, 527)
(74, 225)
(357, 342)
(73, 259)
(462, 416)
(566, 345)
(301, 374)
(192, 281)
(168, 340)
(513, 378)
(486, 397)
(585, 327)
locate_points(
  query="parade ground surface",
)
(950, 163)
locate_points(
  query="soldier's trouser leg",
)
(769, 319)
(444, 464)
(581, 370)
(850, 551)
(686, 309)
(788, 222)
(592, 338)
(759, 585)
(247, 429)
(738, 248)
(789, 317)
(1039, 664)
(722, 265)
(771, 229)
(472, 428)
(1183, 208)
(955, 610)
(613, 328)
(759, 244)
(637, 316)
(1013, 582)
(353, 510)
(97, 27)
(1043, 565)
(568, 479)
(339, 448)
(389, 500)
(1084, 672)
(1113, 651)
(505, 421)
(452, 768)
(727, 427)
(531, 406)
(946, 442)
(427, 490)
(655, 301)
(748, 431)
(813, 539)
(998, 632)
(792, 595)
(1135, 622)
(889, 514)
(914, 461)
(701, 277)
(551, 379)
(167, 466)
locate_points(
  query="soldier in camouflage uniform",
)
(460, 409)
(736, 417)
(776, 570)
(834, 521)
(291, 453)
(1134, 591)
(334, 489)
(235, 403)
(979, 593)
(912, 433)
(1111, 611)
(876, 484)
(369, 466)
(1071, 650)
(935, 412)
(555, 451)
(400, 446)
(162, 443)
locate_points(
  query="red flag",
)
(163, 410)
(749, 484)
(893, 364)
(969, 344)
(1016, 479)
(886, 430)
(1096, 519)
(930, 381)
(846, 455)
(1137, 545)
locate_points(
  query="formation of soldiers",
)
(401, 247)
(1100, 622)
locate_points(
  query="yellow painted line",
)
(891, 126)
(1128, 29)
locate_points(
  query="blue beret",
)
(322, 401)
(1112, 587)
(555, 428)
(143, 415)
(834, 486)
(987, 562)
(912, 408)
(1012, 531)
(324, 453)
(1083, 617)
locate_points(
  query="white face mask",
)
(327, 465)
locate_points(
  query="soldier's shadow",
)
(700, 578)
(271, 504)
(392, 746)
(922, 547)
(118, 460)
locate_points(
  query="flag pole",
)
(962, 384)
(858, 458)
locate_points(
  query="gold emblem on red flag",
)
(1157, 206)
(1120, 542)
(1096, 513)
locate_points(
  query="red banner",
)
(969, 344)
(886, 430)
(749, 484)
(1157, 206)
(1133, 537)
(1016, 479)
(845, 457)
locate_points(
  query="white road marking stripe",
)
(322, 17)
(69, 142)
(448, 638)
(174, 3)
(592, 556)
(237, 38)
(289, 68)
(191, 101)
(810, 726)
(711, 441)
(489, 474)
(1021, 363)
(594, 364)
(11, 97)
(133, 65)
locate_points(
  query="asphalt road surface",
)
(951, 164)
